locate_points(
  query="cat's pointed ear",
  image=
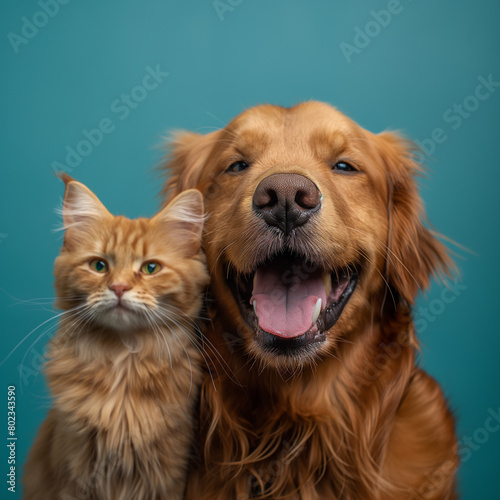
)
(80, 205)
(182, 221)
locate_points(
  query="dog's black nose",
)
(286, 201)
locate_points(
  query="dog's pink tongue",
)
(285, 297)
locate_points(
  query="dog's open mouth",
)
(291, 302)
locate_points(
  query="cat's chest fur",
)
(122, 415)
(125, 395)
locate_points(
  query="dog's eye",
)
(237, 167)
(343, 166)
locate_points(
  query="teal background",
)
(427, 58)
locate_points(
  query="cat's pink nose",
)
(119, 288)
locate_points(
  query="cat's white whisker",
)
(53, 318)
(36, 300)
(73, 323)
(83, 323)
(188, 334)
(77, 311)
(172, 331)
(156, 330)
(206, 342)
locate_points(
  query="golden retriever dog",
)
(317, 250)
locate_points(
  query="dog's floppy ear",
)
(414, 253)
(188, 153)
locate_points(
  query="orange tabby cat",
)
(124, 366)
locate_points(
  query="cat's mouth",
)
(120, 314)
(121, 306)
(118, 306)
(291, 302)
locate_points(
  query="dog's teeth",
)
(255, 306)
(317, 310)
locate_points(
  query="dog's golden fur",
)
(356, 419)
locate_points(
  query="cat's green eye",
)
(150, 268)
(99, 265)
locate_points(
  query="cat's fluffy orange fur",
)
(124, 366)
